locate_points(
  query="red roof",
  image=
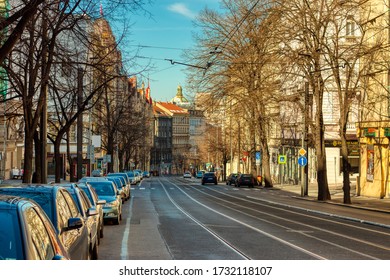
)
(173, 108)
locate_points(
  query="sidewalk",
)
(337, 195)
(367, 210)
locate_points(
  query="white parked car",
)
(187, 174)
(138, 175)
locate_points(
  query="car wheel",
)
(101, 232)
(95, 253)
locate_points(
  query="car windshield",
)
(208, 174)
(10, 236)
(103, 188)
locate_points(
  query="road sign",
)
(302, 151)
(302, 161)
(282, 159)
(258, 158)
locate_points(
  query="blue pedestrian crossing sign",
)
(258, 158)
(282, 159)
(302, 161)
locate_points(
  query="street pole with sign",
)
(303, 159)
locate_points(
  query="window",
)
(39, 236)
(72, 205)
(63, 212)
(350, 27)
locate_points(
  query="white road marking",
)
(126, 233)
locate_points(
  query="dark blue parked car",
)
(26, 233)
(62, 211)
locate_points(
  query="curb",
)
(344, 205)
(326, 213)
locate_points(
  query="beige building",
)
(373, 129)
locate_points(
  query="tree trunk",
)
(266, 167)
(346, 181)
(322, 179)
(57, 159)
(28, 157)
(38, 157)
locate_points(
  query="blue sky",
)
(168, 33)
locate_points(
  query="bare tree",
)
(36, 54)
(240, 70)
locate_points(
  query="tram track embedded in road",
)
(213, 233)
(280, 208)
(298, 248)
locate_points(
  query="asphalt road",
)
(175, 218)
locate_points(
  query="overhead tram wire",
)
(233, 31)
(159, 47)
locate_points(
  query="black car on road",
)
(209, 177)
(245, 180)
(231, 179)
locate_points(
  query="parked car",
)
(96, 202)
(187, 174)
(17, 173)
(140, 172)
(127, 180)
(231, 179)
(90, 216)
(209, 177)
(107, 191)
(26, 232)
(89, 179)
(62, 211)
(133, 179)
(200, 173)
(146, 174)
(119, 185)
(245, 180)
(137, 175)
(97, 173)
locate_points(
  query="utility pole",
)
(304, 167)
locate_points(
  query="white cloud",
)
(182, 9)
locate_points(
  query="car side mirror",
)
(92, 212)
(101, 202)
(74, 223)
(59, 258)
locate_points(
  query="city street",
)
(176, 218)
